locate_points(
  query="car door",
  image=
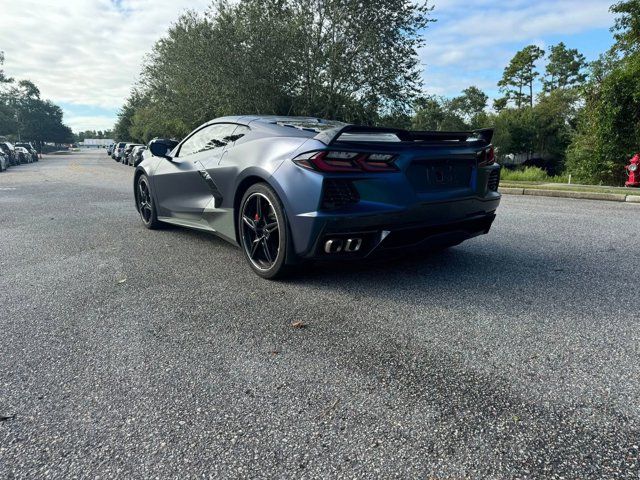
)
(221, 178)
(217, 140)
(180, 190)
(183, 186)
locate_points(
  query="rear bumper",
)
(412, 215)
(422, 227)
(380, 242)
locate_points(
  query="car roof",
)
(282, 125)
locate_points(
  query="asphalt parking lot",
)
(128, 353)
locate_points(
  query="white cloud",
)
(469, 39)
(88, 52)
(80, 123)
(84, 52)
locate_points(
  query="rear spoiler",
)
(332, 136)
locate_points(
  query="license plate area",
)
(440, 174)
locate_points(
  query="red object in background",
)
(634, 172)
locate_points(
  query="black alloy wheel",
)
(263, 231)
(144, 201)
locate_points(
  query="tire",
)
(260, 215)
(145, 204)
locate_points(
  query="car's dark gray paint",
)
(202, 190)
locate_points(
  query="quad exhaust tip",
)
(337, 245)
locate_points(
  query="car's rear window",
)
(369, 137)
(312, 125)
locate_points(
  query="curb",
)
(611, 197)
(511, 190)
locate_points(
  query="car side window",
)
(209, 138)
(238, 133)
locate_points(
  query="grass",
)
(571, 188)
(531, 174)
(536, 178)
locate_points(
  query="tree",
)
(473, 101)
(470, 106)
(609, 126)
(27, 90)
(565, 68)
(342, 59)
(33, 118)
(7, 114)
(599, 69)
(554, 122)
(147, 123)
(439, 114)
(608, 130)
(541, 133)
(359, 58)
(520, 74)
(41, 121)
(626, 27)
(3, 77)
(429, 114)
(463, 112)
(26, 116)
(122, 128)
(82, 136)
(500, 104)
(514, 132)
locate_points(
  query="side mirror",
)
(159, 149)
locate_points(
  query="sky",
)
(85, 55)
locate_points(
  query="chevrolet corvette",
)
(291, 189)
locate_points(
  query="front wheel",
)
(145, 204)
(264, 234)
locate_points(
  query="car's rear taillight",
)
(486, 156)
(331, 161)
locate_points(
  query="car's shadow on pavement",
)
(476, 264)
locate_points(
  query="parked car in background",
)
(30, 148)
(10, 152)
(290, 189)
(126, 158)
(117, 151)
(110, 148)
(24, 155)
(4, 161)
(136, 155)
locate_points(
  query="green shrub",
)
(609, 128)
(531, 174)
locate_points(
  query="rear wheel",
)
(264, 234)
(144, 201)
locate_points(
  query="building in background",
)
(96, 142)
